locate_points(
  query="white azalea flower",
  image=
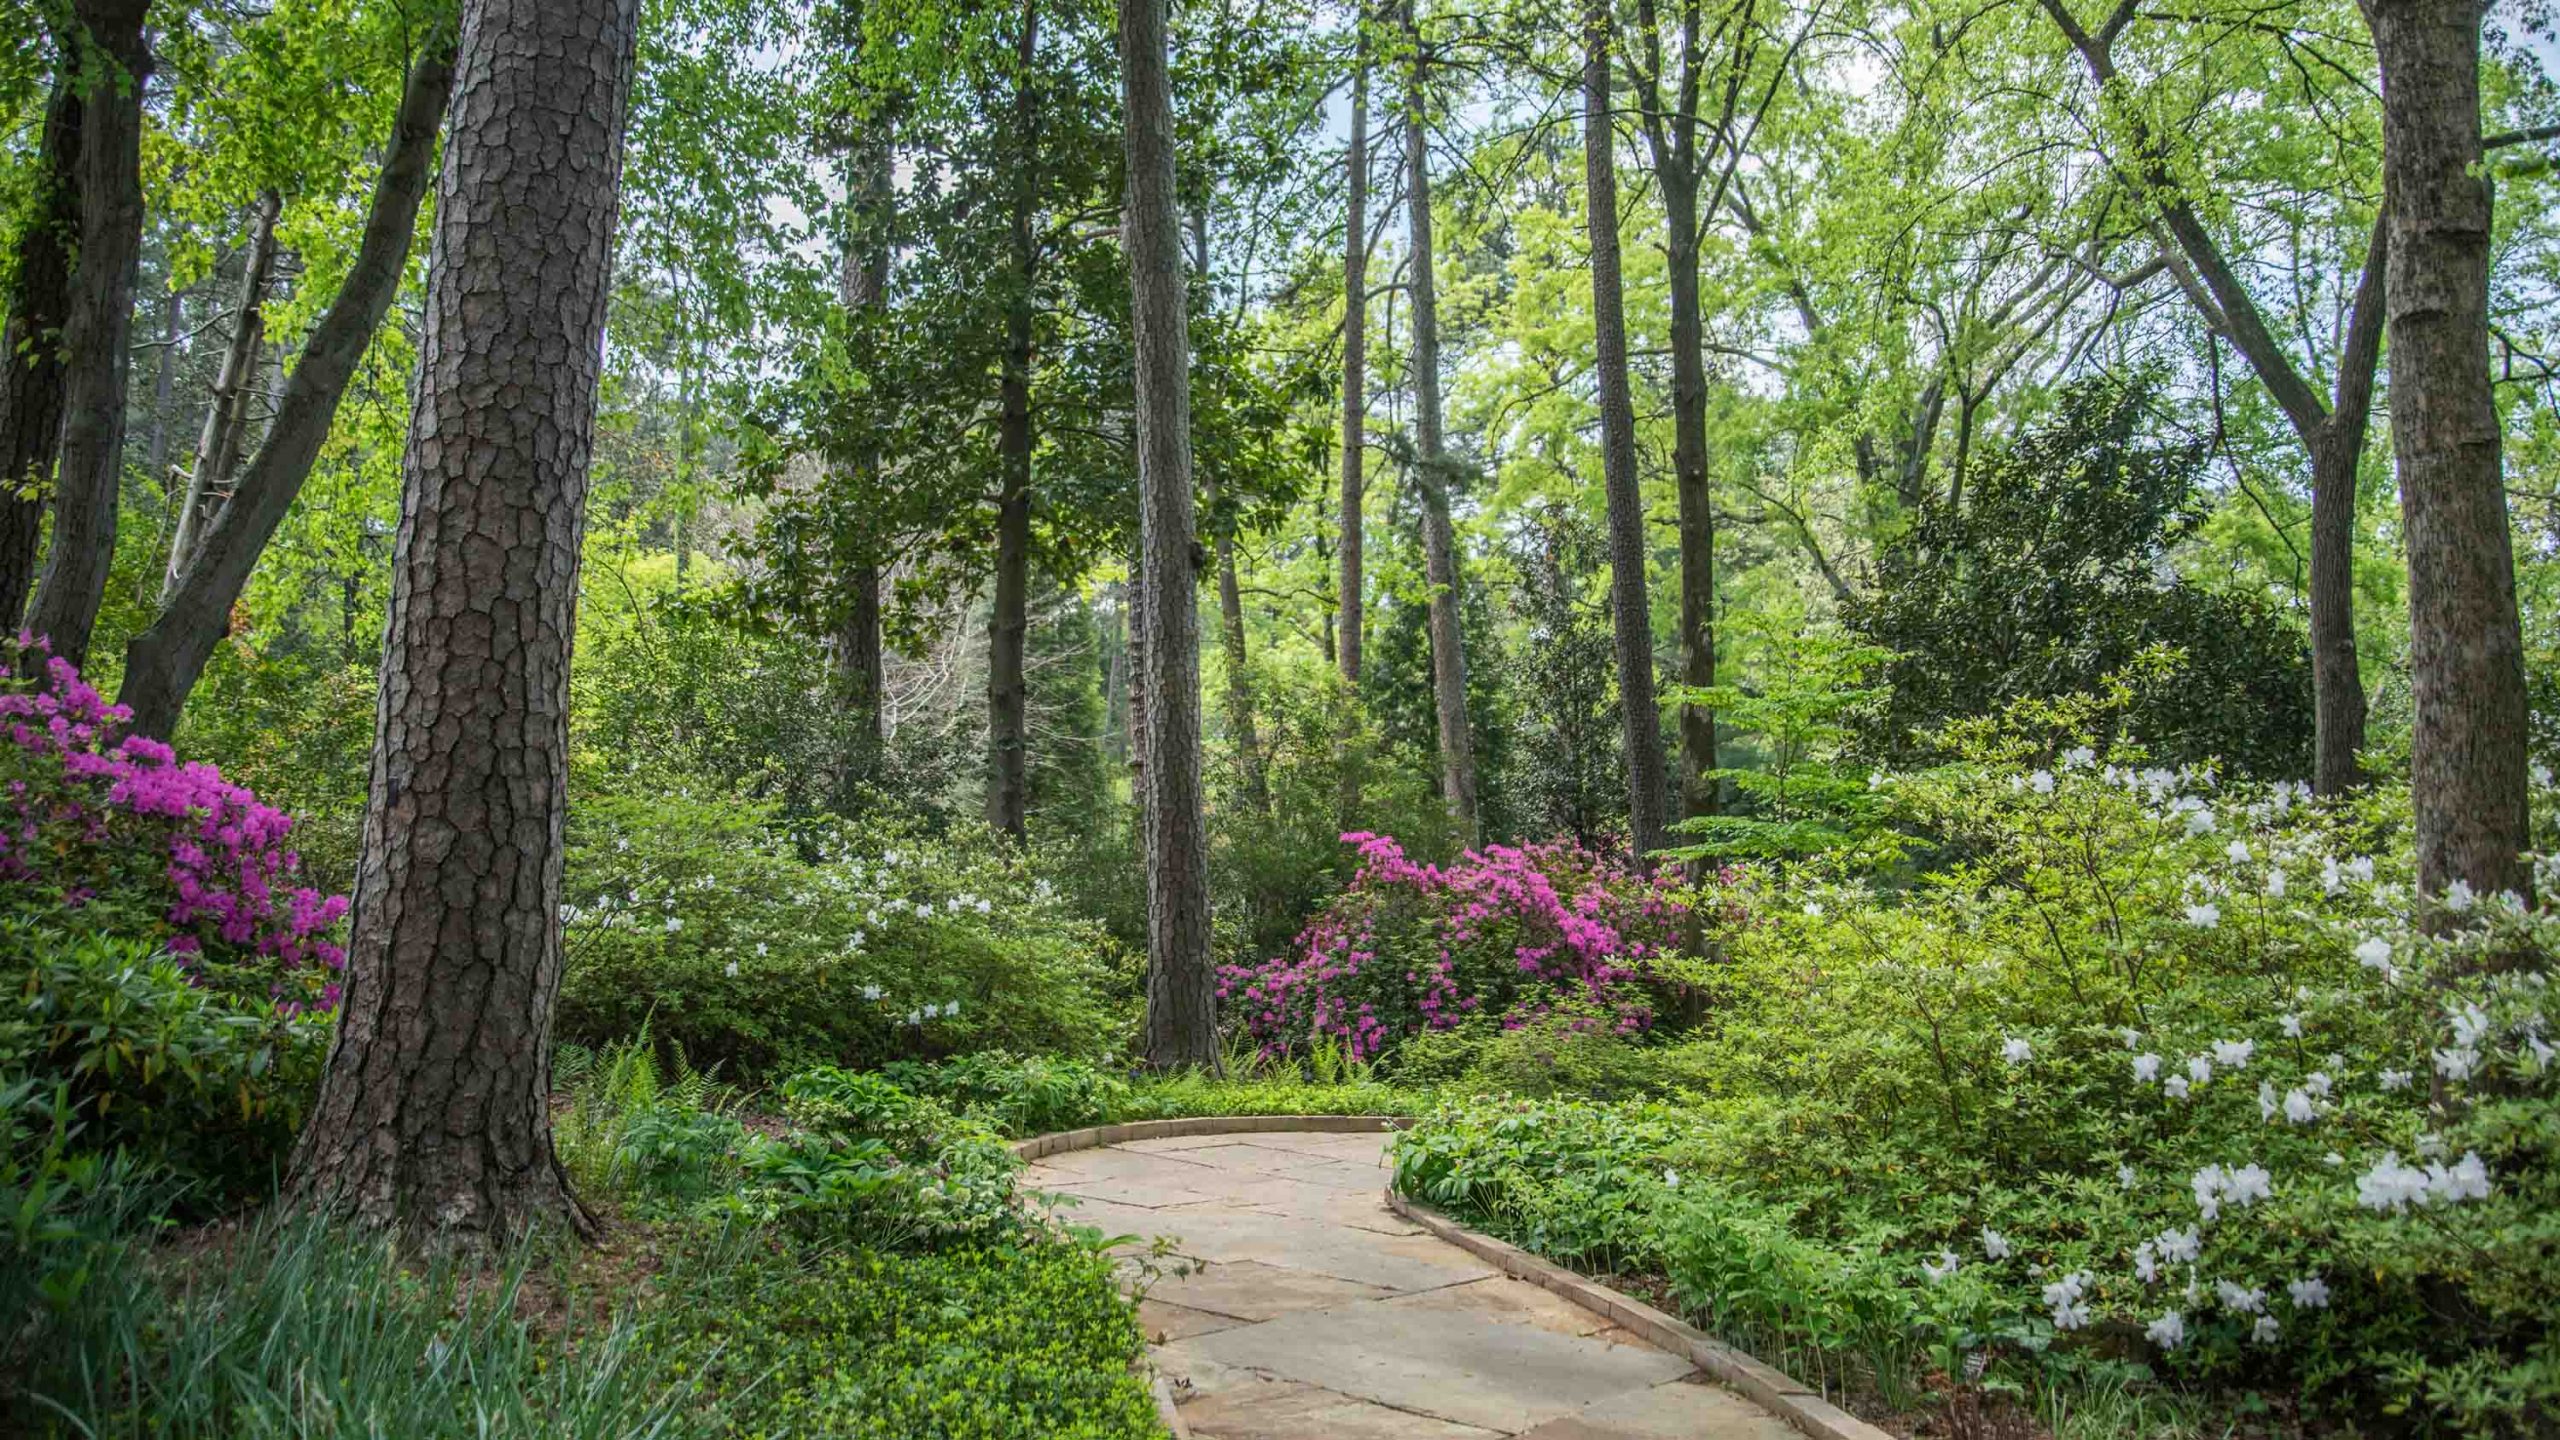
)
(2239, 1297)
(2267, 1103)
(2310, 1293)
(2205, 916)
(2016, 1051)
(1940, 1268)
(2266, 1330)
(2179, 1247)
(2234, 1053)
(2146, 1263)
(2459, 897)
(730, 969)
(2079, 757)
(2175, 1087)
(1994, 1244)
(674, 924)
(2395, 1079)
(2238, 851)
(2298, 1109)
(2126, 1177)
(2168, 1332)
(2200, 1069)
(2291, 1025)
(2146, 1068)
(2041, 782)
(2457, 1063)
(2374, 953)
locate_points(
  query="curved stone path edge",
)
(1800, 1406)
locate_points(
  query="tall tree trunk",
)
(1431, 466)
(863, 285)
(225, 419)
(1647, 785)
(1182, 1018)
(31, 358)
(1009, 623)
(433, 1114)
(2466, 646)
(162, 664)
(90, 477)
(1679, 184)
(1348, 541)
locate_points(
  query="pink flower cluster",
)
(1509, 932)
(87, 813)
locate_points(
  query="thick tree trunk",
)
(1431, 468)
(89, 479)
(2466, 647)
(1182, 1018)
(1647, 786)
(1349, 542)
(1009, 623)
(433, 1115)
(225, 419)
(1697, 503)
(163, 662)
(31, 357)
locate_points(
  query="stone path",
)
(1320, 1314)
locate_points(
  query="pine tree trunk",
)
(89, 478)
(1182, 1018)
(1348, 541)
(1697, 501)
(1431, 468)
(433, 1113)
(164, 661)
(31, 359)
(218, 447)
(2466, 647)
(1647, 785)
(1009, 623)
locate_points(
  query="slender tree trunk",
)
(89, 479)
(163, 662)
(225, 419)
(164, 388)
(1431, 467)
(1697, 503)
(1348, 541)
(433, 1115)
(863, 285)
(2466, 646)
(31, 358)
(1182, 1018)
(2337, 451)
(1647, 785)
(1240, 721)
(1009, 624)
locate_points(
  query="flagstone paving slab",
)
(1316, 1313)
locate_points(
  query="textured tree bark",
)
(219, 444)
(1697, 503)
(1009, 622)
(1351, 612)
(433, 1112)
(1431, 467)
(1647, 785)
(2466, 646)
(1182, 1007)
(31, 382)
(1355, 372)
(164, 661)
(89, 476)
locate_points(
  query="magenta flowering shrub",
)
(114, 831)
(1509, 934)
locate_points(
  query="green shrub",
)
(1009, 1342)
(206, 1080)
(760, 949)
(1018, 1094)
(2162, 1078)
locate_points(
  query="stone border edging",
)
(1781, 1395)
(1095, 1136)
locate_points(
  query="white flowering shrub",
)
(2151, 1075)
(761, 948)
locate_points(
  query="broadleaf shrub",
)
(1507, 933)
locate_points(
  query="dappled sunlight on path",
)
(1320, 1314)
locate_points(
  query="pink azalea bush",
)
(1508, 934)
(114, 829)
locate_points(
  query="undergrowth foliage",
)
(2163, 1078)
